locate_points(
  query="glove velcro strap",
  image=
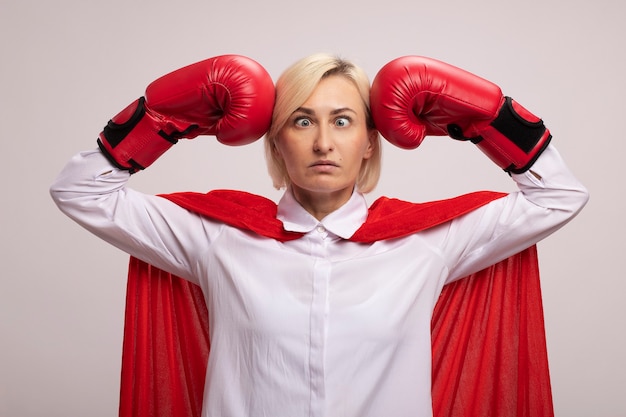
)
(134, 138)
(520, 126)
(515, 138)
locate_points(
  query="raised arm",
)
(413, 97)
(230, 97)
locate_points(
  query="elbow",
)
(55, 192)
(581, 197)
(67, 196)
(570, 205)
(57, 195)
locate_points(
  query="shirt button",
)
(321, 229)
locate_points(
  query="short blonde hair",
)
(293, 88)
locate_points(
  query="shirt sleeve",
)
(549, 196)
(93, 193)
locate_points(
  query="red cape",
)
(488, 336)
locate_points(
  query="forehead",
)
(335, 91)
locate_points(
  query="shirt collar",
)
(343, 222)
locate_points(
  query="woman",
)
(314, 317)
(322, 120)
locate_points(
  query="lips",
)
(324, 163)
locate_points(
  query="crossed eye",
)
(342, 121)
(303, 122)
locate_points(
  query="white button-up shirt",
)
(317, 326)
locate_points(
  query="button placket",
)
(319, 321)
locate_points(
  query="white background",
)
(67, 66)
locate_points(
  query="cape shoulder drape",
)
(488, 335)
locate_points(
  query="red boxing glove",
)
(413, 97)
(230, 97)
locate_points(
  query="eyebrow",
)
(309, 111)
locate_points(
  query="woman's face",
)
(325, 141)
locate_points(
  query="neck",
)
(320, 205)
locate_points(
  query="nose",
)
(323, 141)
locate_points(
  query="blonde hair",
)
(293, 88)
